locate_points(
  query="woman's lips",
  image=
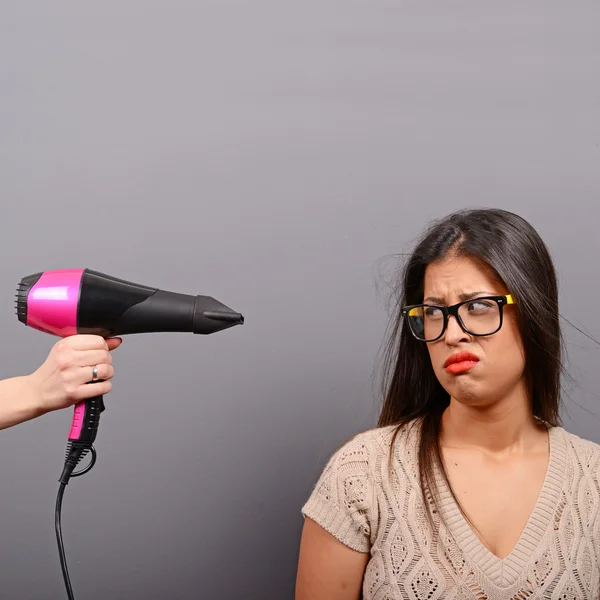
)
(460, 362)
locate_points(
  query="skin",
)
(60, 381)
(489, 405)
(495, 452)
(493, 448)
(327, 569)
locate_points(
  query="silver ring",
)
(94, 373)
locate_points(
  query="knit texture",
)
(370, 510)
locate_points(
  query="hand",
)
(62, 379)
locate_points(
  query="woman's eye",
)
(432, 312)
(480, 306)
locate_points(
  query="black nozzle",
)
(211, 316)
(110, 307)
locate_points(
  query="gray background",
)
(275, 156)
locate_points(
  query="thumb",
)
(113, 343)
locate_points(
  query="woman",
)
(61, 380)
(468, 489)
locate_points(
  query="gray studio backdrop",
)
(274, 155)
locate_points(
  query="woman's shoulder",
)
(344, 500)
(587, 451)
(371, 444)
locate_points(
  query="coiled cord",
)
(74, 454)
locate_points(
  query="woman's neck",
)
(506, 427)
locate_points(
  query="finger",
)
(114, 343)
(91, 391)
(87, 358)
(86, 374)
(83, 341)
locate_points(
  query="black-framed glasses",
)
(478, 316)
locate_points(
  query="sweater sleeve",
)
(343, 500)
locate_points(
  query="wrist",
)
(33, 401)
(20, 400)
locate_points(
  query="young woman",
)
(468, 488)
(61, 380)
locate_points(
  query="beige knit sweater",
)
(556, 557)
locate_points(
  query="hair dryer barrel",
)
(73, 301)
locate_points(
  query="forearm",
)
(19, 401)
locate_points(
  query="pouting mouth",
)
(461, 357)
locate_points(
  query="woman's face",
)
(501, 358)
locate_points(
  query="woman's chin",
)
(459, 384)
(466, 392)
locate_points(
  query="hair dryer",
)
(71, 301)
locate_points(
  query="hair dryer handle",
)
(86, 418)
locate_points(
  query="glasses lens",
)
(480, 317)
(426, 322)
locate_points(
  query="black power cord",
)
(75, 453)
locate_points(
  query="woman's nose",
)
(454, 332)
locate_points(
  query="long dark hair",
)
(512, 248)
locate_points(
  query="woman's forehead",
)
(460, 275)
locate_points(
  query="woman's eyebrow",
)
(434, 299)
(473, 294)
(465, 296)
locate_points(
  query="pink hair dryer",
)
(71, 301)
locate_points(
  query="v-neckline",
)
(505, 571)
